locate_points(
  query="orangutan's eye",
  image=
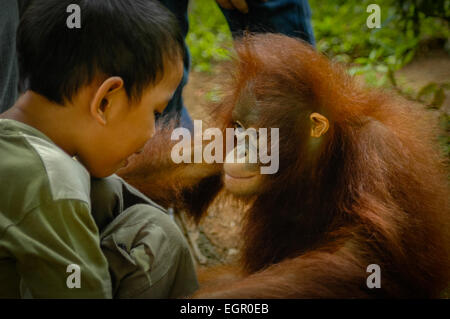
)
(238, 125)
(238, 129)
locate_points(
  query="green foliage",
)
(433, 94)
(412, 10)
(341, 30)
(209, 35)
(342, 33)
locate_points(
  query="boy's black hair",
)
(133, 39)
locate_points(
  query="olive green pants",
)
(147, 254)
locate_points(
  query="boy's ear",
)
(102, 100)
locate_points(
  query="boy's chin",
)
(101, 170)
(100, 174)
(104, 172)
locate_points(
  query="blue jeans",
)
(290, 17)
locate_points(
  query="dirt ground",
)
(216, 239)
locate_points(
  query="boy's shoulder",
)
(34, 170)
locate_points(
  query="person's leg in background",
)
(290, 17)
(9, 74)
(176, 106)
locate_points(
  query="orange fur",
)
(374, 192)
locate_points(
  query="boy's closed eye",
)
(157, 115)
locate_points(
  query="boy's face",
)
(125, 128)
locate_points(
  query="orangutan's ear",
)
(319, 124)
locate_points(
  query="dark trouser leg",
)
(9, 73)
(176, 106)
(290, 17)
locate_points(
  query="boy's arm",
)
(50, 243)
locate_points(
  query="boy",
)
(91, 95)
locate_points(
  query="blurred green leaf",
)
(340, 29)
(209, 37)
(427, 90)
(438, 99)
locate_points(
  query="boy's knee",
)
(149, 256)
